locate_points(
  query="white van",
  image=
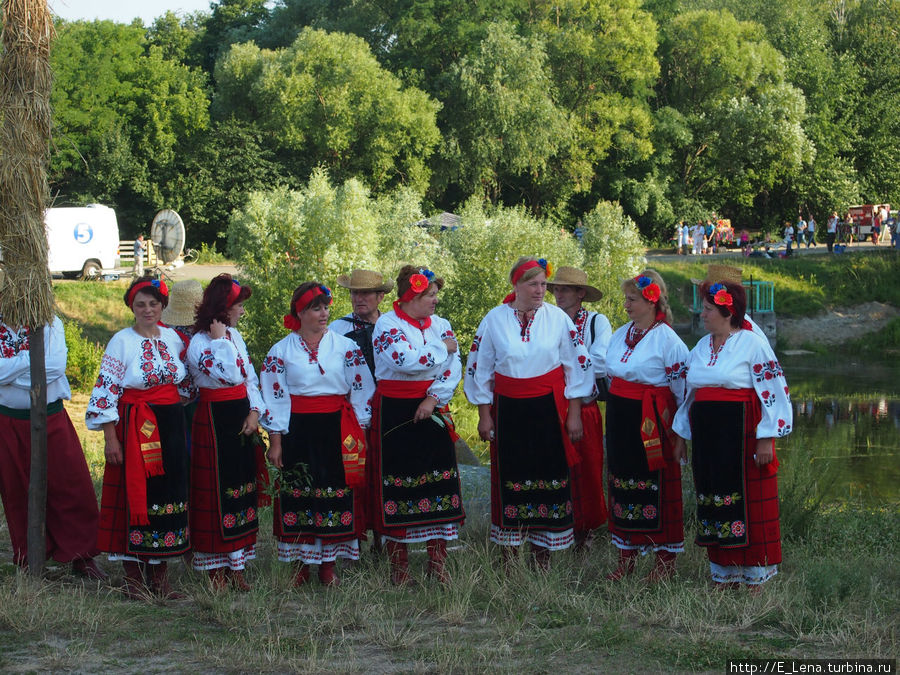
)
(82, 241)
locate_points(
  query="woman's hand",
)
(451, 345)
(680, 450)
(112, 448)
(485, 423)
(217, 329)
(765, 451)
(425, 409)
(573, 420)
(251, 424)
(273, 454)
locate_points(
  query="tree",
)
(325, 101)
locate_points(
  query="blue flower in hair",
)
(155, 283)
(325, 289)
(427, 273)
(643, 281)
(715, 288)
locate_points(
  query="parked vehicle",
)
(82, 241)
(863, 218)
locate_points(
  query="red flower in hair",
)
(418, 283)
(723, 298)
(651, 292)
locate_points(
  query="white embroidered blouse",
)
(132, 361)
(405, 352)
(15, 365)
(659, 359)
(337, 367)
(744, 361)
(503, 345)
(222, 363)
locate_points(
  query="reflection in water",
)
(852, 441)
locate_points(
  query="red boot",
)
(238, 582)
(437, 554)
(327, 575)
(135, 588)
(399, 557)
(159, 582)
(301, 574)
(663, 568)
(218, 578)
(541, 557)
(627, 559)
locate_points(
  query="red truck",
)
(863, 218)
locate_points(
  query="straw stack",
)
(25, 80)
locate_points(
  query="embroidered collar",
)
(581, 317)
(313, 353)
(421, 325)
(634, 335)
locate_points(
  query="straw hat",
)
(716, 273)
(572, 276)
(184, 296)
(365, 280)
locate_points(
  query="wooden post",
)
(37, 490)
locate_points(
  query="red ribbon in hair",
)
(158, 285)
(233, 293)
(520, 270)
(292, 322)
(418, 283)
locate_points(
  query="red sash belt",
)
(235, 393)
(554, 383)
(353, 453)
(143, 450)
(404, 388)
(657, 412)
(722, 394)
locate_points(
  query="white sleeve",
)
(681, 425)
(772, 390)
(103, 405)
(602, 335)
(251, 380)
(450, 374)
(677, 358)
(576, 363)
(362, 385)
(273, 383)
(478, 384)
(218, 360)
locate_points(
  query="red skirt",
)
(72, 514)
(588, 502)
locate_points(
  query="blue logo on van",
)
(84, 233)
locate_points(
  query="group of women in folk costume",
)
(351, 454)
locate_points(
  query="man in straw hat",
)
(570, 287)
(184, 297)
(367, 290)
(716, 273)
(72, 513)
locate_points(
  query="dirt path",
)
(838, 325)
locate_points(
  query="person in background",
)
(571, 289)
(646, 360)
(139, 251)
(226, 453)
(831, 229)
(528, 372)
(686, 237)
(679, 237)
(72, 516)
(737, 403)
(811, 232)
(137, 402)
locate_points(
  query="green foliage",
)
(208, 255)
(325, 101)
(83, 360)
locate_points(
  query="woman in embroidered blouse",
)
(317, 389)
(417, 496)
(224, 459)
(737, 404)
(143, 508)
(527, 372)
(646, 361)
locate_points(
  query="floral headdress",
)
(292, 322)
(418, 283)
(524, 267)
(719, 295)
(155, 283)
(649, 289)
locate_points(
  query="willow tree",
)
(26, 297)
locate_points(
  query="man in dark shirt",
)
(367, 290)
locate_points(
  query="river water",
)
(846, 427)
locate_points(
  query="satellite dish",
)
(167, 235)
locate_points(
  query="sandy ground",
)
(838, 325)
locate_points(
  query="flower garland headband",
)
(719, 295)
(233, 293)
(156, 283)
(649, 289)
(292, 322)
(418, 283)
(524, 267)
